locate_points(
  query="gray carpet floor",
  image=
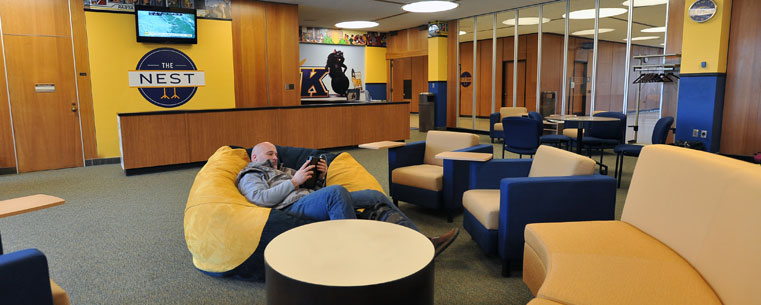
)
(119, 239)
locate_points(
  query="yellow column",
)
(437, 59)
(706, 42)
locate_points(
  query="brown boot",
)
(441, 242)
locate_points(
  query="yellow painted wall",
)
(706, 42)
(114, 51)
(437, 59)
(375, 65)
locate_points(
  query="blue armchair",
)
(24, 279)
(507, 194)
(416, 177)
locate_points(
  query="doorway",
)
(42, 86)
(577, 93)
(507, 84)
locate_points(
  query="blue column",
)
(439, 89)
(701, 107)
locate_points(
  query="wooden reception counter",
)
(149, 139)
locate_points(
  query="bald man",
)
(267, 184)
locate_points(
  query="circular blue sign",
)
(465, 79)
(167, 59)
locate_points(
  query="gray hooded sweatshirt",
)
(264, 185)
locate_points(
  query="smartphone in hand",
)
(313, 180)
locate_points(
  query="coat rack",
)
(653, 73)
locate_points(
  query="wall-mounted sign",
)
(702, 10)
(166, 77)
(311, 82)
(465, 79)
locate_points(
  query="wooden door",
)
(507, 86)
(45, 124)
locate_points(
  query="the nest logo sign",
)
(166, 77)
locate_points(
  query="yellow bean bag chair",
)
(225, 233)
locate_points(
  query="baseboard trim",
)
(7, 170)
(486, 132)
(103, 161)
(162, 168)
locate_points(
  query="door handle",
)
(74, 107)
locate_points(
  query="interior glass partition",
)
(484, 61)
(611, 56)
(581, 29)
(646, 84)
(552, 42)
(510, 87)
(528, 27)
(467, 73)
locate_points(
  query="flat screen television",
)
(166, 24)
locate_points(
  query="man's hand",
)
(322, 167)
(302, 175)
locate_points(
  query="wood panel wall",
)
(195, 136)
(740, 132)
(7, 153)
(283, 54)
(419, 79)
(407, 43)
(265, 53)
(249, 50)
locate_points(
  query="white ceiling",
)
(389, 13)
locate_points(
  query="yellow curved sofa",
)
(225, 233)
(689, 234)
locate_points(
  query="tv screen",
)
(165, 24)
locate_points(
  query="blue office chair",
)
(521, 136)
(604, 135)
(506, 194)
(24, 278)
(556, 140)
(660, 133)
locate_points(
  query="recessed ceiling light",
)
(429, 6)
(356, 24)
(463, 32)
(642, 38)
(641, 3)
(591, 32)
(590, 13)
(525, 21)
(660, 29)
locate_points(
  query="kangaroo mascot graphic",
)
(337, 69)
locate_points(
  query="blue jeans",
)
(335, 202)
